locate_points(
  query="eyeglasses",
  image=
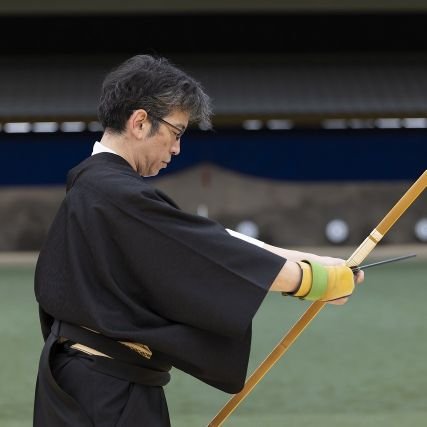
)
(179, 130)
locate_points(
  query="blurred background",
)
(320, 125)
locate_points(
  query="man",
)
(129, 285)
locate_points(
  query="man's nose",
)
(176, 148)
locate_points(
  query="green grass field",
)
(362, 364)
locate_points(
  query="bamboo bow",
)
(354, 260)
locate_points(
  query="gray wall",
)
(288, 214)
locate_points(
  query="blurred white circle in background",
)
(421, 230)
(248, 228)
(202, 210)
(337, 231)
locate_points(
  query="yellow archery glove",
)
(324, 283)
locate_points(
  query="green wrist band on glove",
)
(324, 283)
(319, 283)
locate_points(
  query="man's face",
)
(157, 150)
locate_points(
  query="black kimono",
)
(121, 259)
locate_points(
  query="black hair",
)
(157, 86)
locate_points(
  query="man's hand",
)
(332, 282)
(289, 282)
(359, 276)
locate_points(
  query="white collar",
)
(101, 148)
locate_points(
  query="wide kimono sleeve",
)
(192, 271)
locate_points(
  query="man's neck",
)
(120, 145)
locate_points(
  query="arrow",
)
(364, 267)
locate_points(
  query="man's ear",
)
(137, 121)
